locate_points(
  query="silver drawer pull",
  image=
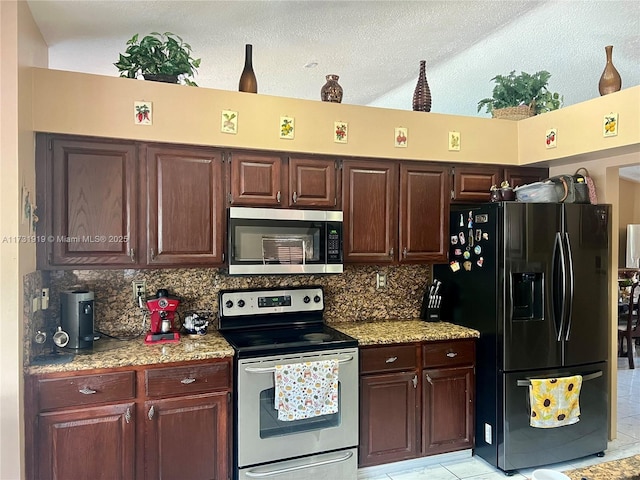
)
(87, 391)
(452, 354)
(187, 381)
(390, 359)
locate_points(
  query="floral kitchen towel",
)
(305, 390)
(555, 401)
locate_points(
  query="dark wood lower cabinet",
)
(189, 428)
(448, 410)
(388, 426)
(416, 400)
(96, 443)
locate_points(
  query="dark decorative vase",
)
(422, 94)
(248, 82)
(610, 80)
(331, 91)
(161, 78)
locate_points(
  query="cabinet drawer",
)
(393, 357)
(438, 354)
(86, 390)
(186, 380)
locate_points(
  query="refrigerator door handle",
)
(559, 256)
(585, 378)
(568, 301)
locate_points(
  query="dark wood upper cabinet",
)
(256, 179)
(185, 206)
(370, 205)
(88, 192)
(473, 183)
(424, 212)
(518, 176)
(312, 183)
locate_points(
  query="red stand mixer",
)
(162, 309)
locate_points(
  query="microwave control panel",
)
(334, 243)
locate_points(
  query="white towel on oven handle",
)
(306, 389)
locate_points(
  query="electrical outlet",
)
(488, 434)
(35, 304)
(381, 280)
(139, 292)
(44, 304)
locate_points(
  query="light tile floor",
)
(474, 468)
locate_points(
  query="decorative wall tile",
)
(143, 113)
(401, 137)
(229, 121)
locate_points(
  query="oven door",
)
(263, 438)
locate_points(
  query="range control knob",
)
(228, 304)
(240, 303)
(316, 299)
(306, 299)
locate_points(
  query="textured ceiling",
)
(374, 46)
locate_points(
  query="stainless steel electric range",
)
(271, 328)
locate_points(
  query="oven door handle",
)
(262, 472)
(273, 369)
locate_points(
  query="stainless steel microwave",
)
(273, 240)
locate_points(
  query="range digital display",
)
(279, 301)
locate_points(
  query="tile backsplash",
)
(351, 296)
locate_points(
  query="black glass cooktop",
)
(290, 339)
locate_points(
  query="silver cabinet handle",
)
(295, 197)
(391, 252)
(390, 359)
(151, 412)
(261, 472)
(429, 379)
(127, 415)
(414, 380)
(132, 254)
(452, 354)
(87, 391)
(187, 381)
(278, 196)
(404, 252)
(153, 254)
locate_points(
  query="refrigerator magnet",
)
(457, 252)
(467, 266)
(461, 237)
(455, 266)
(485, 236)
(454, 239)
(478, 235)
(477, 250)
(470, 238)
(470, 220)
(480, 261)
(461, 220)
(482, 218)
(466, 255)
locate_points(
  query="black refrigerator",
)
(533, 279)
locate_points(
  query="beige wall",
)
(21, 47)
(103, 106)
(629, 214)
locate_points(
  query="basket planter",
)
(513, 113)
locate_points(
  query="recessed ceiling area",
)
(374, 46)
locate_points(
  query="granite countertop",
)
(110, 353)
(403, 331)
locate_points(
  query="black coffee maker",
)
(76, 317)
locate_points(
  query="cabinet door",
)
(187, 437)
(256, 180)
(370, 204)
(185, 208)
(388, 426)
(517, 176)
(424, 218)
(95, 443)
(447, 409)
(312, 183)
(93, 202)
(473, 183)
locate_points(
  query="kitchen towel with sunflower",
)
(305, 390)
(555, 402)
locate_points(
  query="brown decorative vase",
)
(610, 80)
(422, 94)
(248, 82)
(331, 91)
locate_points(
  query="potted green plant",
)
(160, 57)
(521, 96)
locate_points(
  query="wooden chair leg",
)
(630, 343)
